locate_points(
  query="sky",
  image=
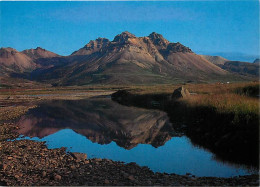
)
(63, 27)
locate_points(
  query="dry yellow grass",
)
(223, 97)
(227, 102)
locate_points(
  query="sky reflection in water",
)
(113, 136)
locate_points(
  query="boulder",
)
(180, 92)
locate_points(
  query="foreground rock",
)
(27, 163)
(180, 92)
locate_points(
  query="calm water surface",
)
(105, 129)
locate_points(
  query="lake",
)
(102, 128)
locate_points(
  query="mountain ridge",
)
(126, 59)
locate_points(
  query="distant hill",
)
(242, 68)
(215, 59)
(232, 56)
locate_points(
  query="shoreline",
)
(28, 162)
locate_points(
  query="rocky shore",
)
(27, 163)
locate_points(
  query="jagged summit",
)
(158, 40)
(92, 46)
(39, 53)
(123, 37)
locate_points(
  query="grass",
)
(224, 97)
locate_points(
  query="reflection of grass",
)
(215, 116)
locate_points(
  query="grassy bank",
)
(215, 116)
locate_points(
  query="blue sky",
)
(63, 27)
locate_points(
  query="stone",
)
(86, 162)
(106, 181)
(79, 156)
(57, 177)
(180, 92)
(131, 177)
(44, 174)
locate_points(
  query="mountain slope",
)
(131, 60)
(12, 60)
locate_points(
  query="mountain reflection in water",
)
(100, 120)
(103, 128)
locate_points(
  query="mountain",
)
(126, 59)
(12, 60)
(39, 53)
(215, 59)
(131, 60)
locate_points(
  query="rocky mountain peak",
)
(39, 53)
(123, 37)
(92, 46)
(178, 47)
(98, 43)
(6, 52)
(40, 49)
(158, 40)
